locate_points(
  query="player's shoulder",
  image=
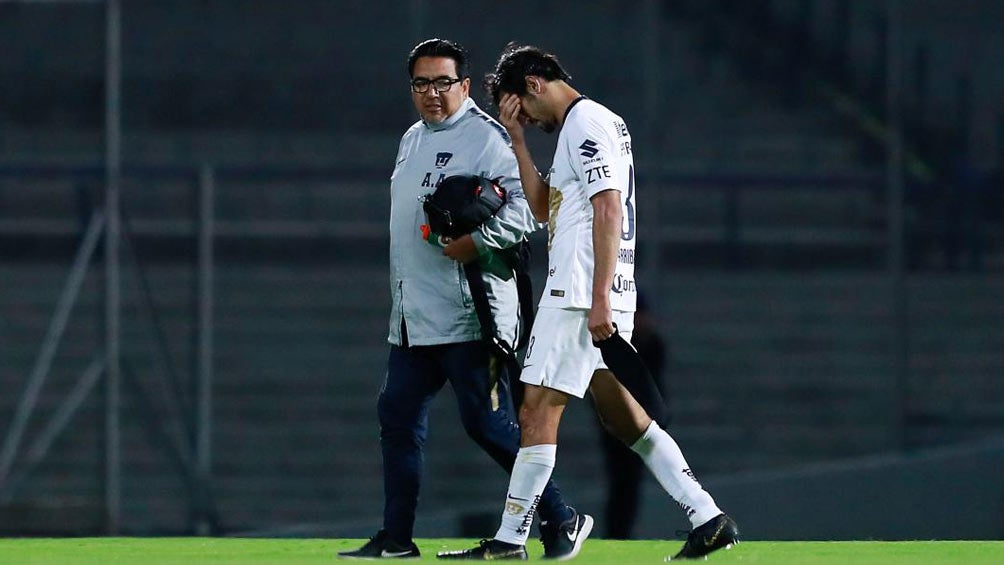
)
(589, 114)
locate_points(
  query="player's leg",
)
(620, 414)
(552, 371)
(558, 363)
(620, 356)
(481, 384)
(626, 420)
(541, 413)
(539, 418)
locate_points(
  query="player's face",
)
(534, 111)
(444, 91)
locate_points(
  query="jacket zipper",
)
(403, 328)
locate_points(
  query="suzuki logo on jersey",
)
(622, 284)
(589, 149)
(442, 159)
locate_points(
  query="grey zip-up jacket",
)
(429, 292)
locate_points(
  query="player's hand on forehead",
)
(510, 111)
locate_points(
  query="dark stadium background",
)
(822, 241)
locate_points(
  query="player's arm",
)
(513, 222)
(534, 185)
(606, 244)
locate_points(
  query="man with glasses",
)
(435, 335)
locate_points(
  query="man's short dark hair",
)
(440, 48)
(518, 62)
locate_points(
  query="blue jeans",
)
(414, 376)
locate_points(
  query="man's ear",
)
(533, 85)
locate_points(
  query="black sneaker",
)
(381, 546)
(488, 550)
(718, 532)
(563, 541)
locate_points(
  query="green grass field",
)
(220, 551)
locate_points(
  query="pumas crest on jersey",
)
(442, 159)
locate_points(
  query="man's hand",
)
(511, 116)
(600, 322)
(461, 249)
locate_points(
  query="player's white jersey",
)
(593, 155)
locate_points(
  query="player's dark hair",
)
(518, 62)
(441, 48)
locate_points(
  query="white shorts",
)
(561, 354)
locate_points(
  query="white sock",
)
(529, 477)
(663, 457)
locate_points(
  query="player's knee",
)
(536, 426)
(528, 416)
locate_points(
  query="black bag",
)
(459, 205)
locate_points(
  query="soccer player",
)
(435, 335)
(589, 201)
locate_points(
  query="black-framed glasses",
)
(441, 84)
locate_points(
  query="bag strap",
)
(518, 260)
(489, 331)
(524, 290)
